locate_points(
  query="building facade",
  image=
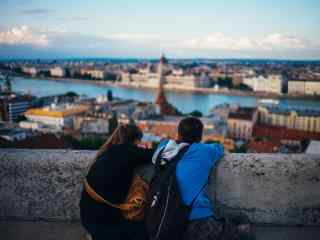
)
(57, 72)
(12, 108)
(57, 116)
(306, 120)
(270, 83)
(297, 87)
(304, 87)
(241, 123)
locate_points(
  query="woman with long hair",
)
(111, 175)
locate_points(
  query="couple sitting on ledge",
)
(109, 186)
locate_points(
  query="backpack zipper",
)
(164, 215)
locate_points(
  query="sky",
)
(273, 29)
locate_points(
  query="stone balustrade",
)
(271, 189)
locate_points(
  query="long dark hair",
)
(125, 133)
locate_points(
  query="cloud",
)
(23, 35)
(279, 40)
(37, 11)
(73, 19)
(135, 37)
(219, 41)
(59, 41)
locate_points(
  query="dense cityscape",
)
(160, 120)
(72, 120)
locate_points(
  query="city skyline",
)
(210, 29)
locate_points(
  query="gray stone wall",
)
(268, 188)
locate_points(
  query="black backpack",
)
(166, 215)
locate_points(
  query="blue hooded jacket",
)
(192, 173)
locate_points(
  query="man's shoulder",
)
(208, 151)
(202, 146)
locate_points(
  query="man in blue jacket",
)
(192, 174)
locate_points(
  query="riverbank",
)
(211, 91)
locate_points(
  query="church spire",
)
(161, 99)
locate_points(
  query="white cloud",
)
(23, 35)
(136, 37)
(219, 41)
(279, 40)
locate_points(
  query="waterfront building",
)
(144, 76)
(312, 87)
(188, 80)
(241, 122)
(237, 78)
(58, 116)
(297, 87)
(57, 72)
(305, 120)
(33, 71)
(304, 87)
(175, 78)
(270, 83)
(94, 73)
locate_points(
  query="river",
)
(185, 102)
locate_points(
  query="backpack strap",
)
(136, 202)
(172, 164)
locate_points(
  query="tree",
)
(225, 82)
(132, 121)
(110, 95)
(71, 94)
(196, 113)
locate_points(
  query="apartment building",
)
(57, 72)
(306, 120)
(241, 122)
(58, 116)
(270, 83)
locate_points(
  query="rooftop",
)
(242, 113)
(277, 133)
(58, 111)
(288, 111)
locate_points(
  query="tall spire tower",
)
(161, 99)
(163, 106)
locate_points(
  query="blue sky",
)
(280, 29)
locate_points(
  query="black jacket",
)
(111, 176)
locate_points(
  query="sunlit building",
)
(270, 83)
(56, 115)
(241, 123)
(57, 72)
(306, 120)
